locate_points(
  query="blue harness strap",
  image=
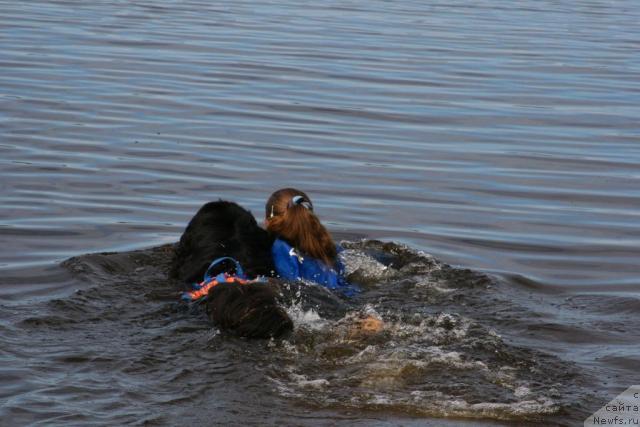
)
(215, 262)
(201, 289)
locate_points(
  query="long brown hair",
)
(289, 214)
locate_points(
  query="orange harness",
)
(202, 289)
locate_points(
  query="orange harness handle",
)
(204, 287)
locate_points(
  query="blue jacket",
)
(291, 265)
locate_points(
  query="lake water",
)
(501, 137)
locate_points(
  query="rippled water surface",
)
(502, 137)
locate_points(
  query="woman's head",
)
(289, 214)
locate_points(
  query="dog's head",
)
(222, 229)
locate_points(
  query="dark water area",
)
(500, 138)
(124, 350)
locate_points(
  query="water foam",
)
(437, 363)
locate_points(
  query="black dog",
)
(224, 229)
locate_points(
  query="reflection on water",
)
(499, 137)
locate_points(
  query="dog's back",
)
(249, 310)
(222, 229)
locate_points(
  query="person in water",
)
(295, 246)
(302, 248)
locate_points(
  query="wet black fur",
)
(222, 229)
(249, 310)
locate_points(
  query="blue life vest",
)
(292, 265)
